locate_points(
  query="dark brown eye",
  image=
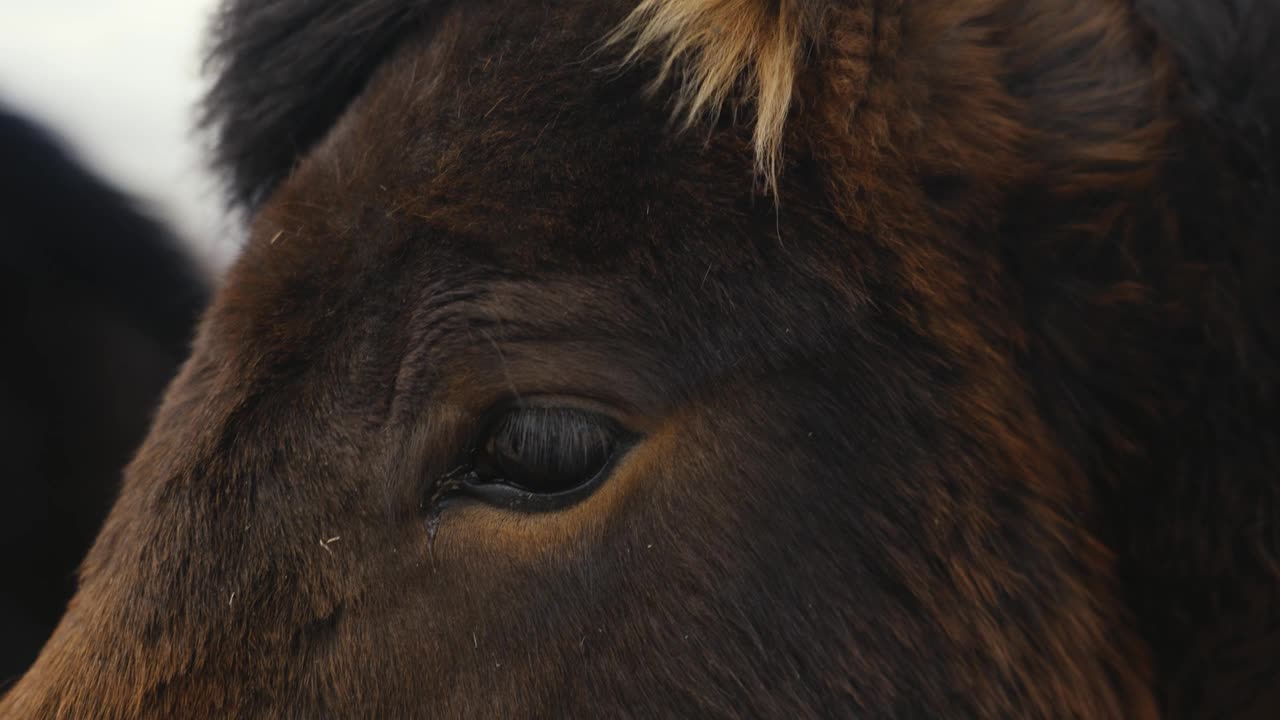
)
(543, 457)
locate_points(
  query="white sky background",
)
(117, 80)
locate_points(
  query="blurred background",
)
(117, 81)
(96, 307)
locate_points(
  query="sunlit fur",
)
(742, 50)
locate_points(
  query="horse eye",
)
(542, 457)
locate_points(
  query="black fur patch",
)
(1229, 53)
(1228, 58)
(1212, 607)
(286, 69)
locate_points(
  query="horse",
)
(99, 305)
(715, 358)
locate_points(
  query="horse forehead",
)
(541, 158)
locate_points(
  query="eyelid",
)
(621, 420)
(622, 439)
(533, 425)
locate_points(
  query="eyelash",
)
(535, 457)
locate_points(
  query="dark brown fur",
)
(975, 418)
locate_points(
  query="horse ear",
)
(284, 72)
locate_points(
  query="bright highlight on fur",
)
(717, 47)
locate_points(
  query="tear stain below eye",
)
(446, 486)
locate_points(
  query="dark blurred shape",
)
(97, 308)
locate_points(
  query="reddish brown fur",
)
(929, 433)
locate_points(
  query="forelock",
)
(722, 51)
(285, 70)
